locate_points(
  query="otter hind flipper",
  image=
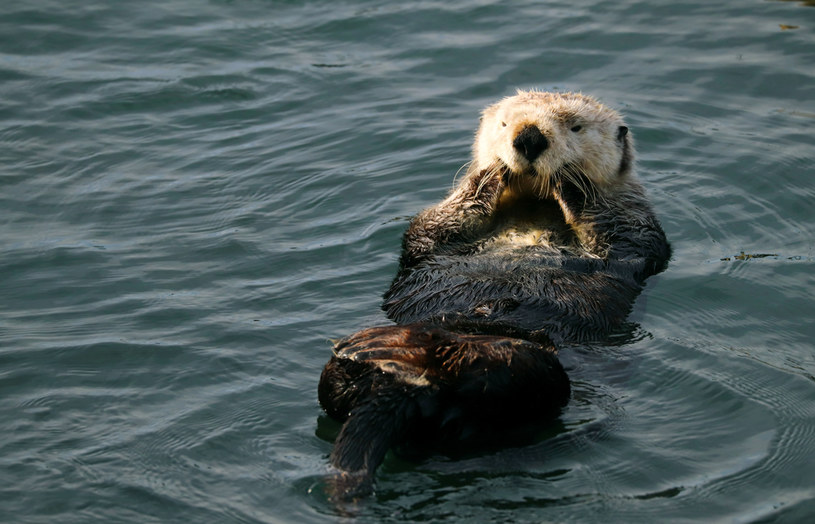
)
(371, 429)
(374, 383)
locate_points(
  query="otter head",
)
(535, 138)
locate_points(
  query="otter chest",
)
(521, 222)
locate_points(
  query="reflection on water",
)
(198, 197)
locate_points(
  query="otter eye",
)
(575, 129)
(503, 124)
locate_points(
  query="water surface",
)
(198, 196)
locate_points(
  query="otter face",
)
(539, 136)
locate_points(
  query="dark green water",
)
(195, 197)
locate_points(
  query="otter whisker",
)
(491, 171)
(465, 165)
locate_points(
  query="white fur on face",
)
(594, 149)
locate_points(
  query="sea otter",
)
(546, 240)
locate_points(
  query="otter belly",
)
(528, 277)
(534, 293)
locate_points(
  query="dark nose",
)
(530, 142)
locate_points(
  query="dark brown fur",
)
(386, 382)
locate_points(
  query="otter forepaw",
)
(487, 187)
(571, 198)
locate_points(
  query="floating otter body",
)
(546, 240)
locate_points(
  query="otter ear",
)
(628, 156)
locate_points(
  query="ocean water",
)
(196, 197)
